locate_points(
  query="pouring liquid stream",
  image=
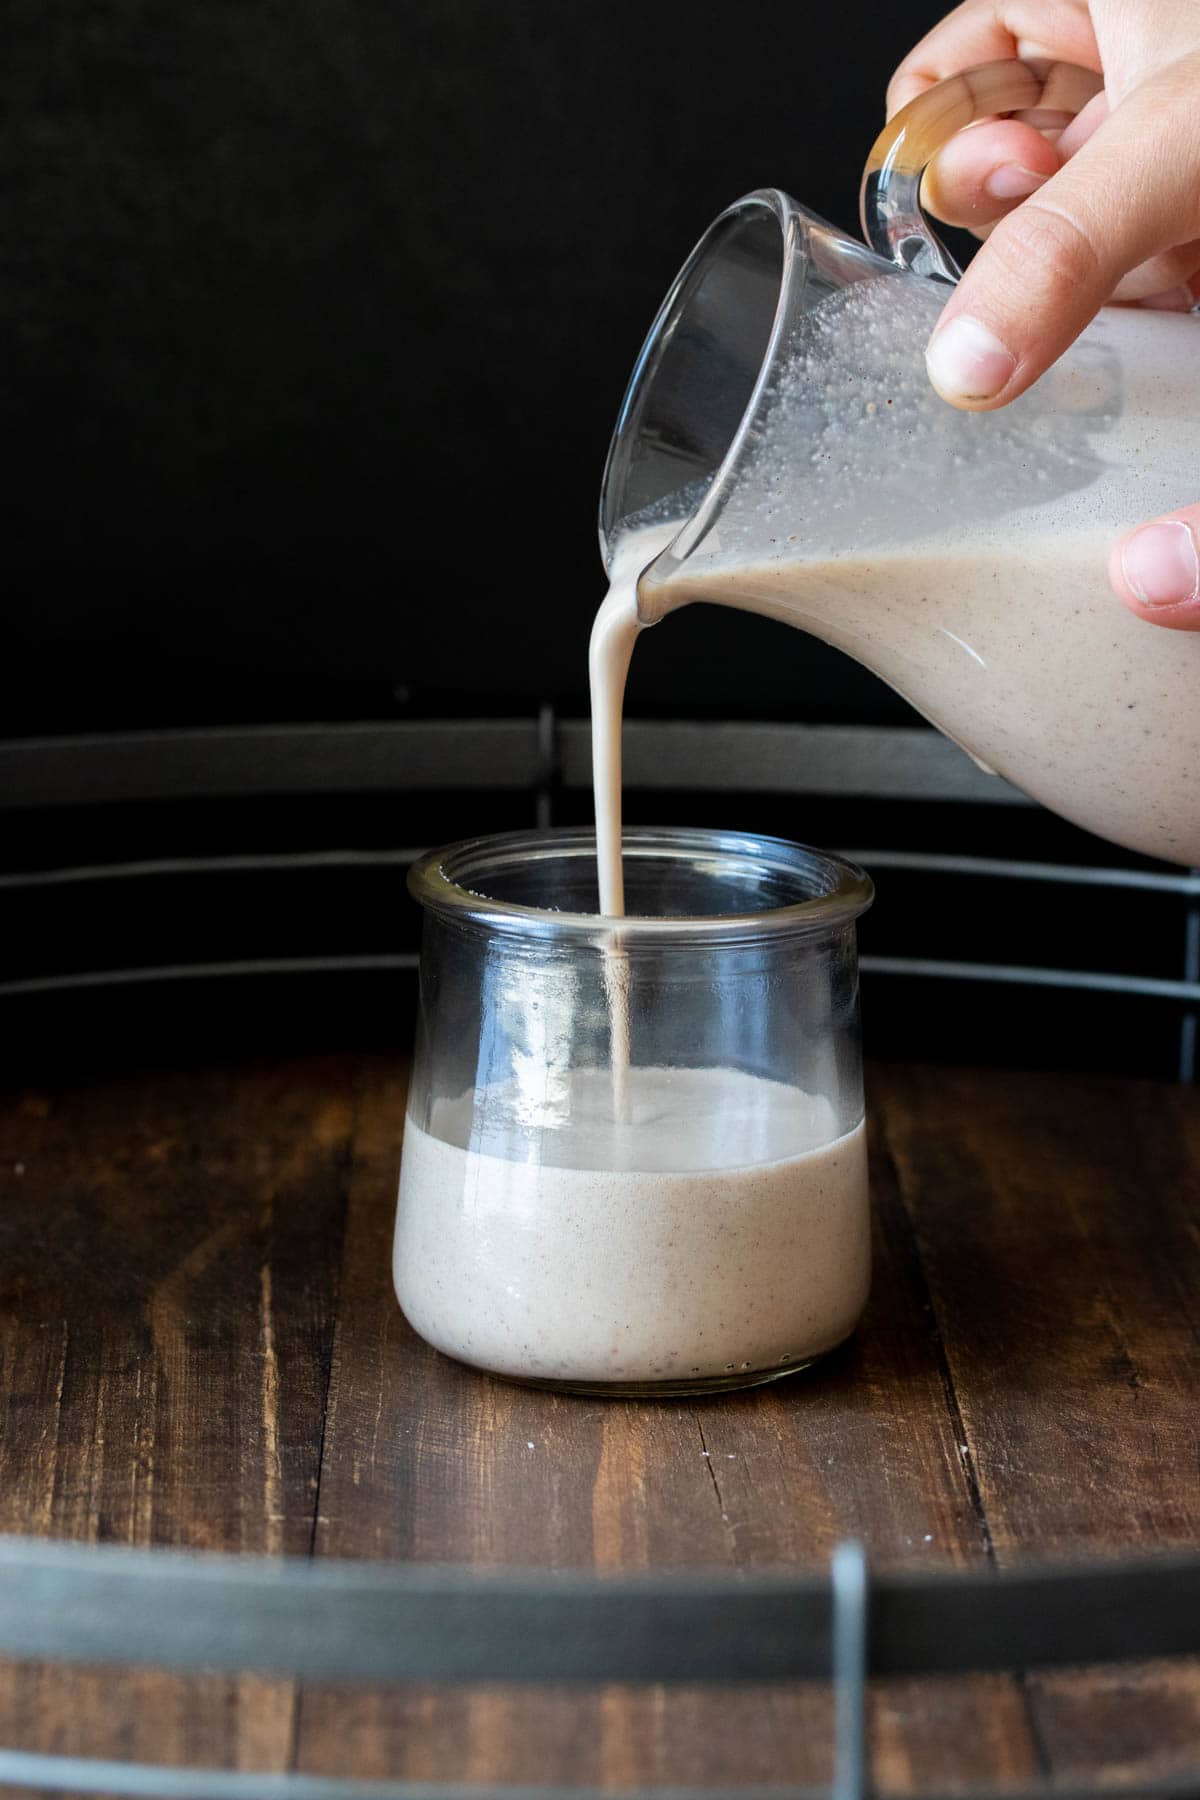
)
(614, 634)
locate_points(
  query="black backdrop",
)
(316, 317)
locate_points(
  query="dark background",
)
(317, 314)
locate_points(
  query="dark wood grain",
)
(167, 1297)
(199, 1345)
(1058, 1222)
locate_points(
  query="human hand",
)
(1108, 209)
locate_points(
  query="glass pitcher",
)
(780, 450)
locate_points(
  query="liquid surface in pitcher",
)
(962, 557)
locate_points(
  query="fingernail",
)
(1013, 182)
(1160, 564)
(966, 361)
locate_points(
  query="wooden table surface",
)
(199, 1347)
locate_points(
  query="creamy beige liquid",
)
(610, 650)
(615, 631)
(1021, 653)
(722, 1231)
(614, 634)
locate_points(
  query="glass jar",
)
(634, 1159)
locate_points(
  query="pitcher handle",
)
(893, 221)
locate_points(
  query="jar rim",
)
(442, 883)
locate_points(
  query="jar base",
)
(680, 1388)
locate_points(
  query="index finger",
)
(980, 31)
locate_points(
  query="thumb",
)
(1155, 570)
(1129, 193)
